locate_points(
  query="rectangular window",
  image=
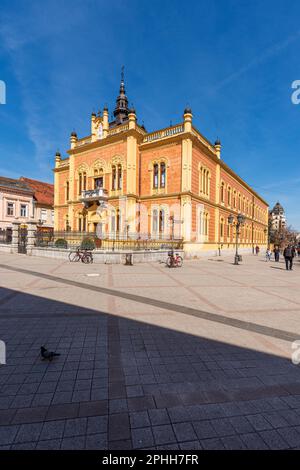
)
(99, 182)
(44, 214)
(10, 208)
(23, 210)
(67, 190)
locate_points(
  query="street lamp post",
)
(240, 220)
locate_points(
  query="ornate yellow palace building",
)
(122, 181)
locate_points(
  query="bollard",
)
(128, 259)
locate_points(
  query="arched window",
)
(229, 196)
(161, 221)
(119, 176)
(155, 176)
(118, 220)
(234, 199)
(113, 221)
(222, 192)
(162, 175)
(155, 221)
(200, 223)
(206, 217)
(79, 183)
(222, 228)
(98, 182)
(67, 223)
(114, 178)
(82, 223)
(204, 181)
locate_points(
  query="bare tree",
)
(283, 236)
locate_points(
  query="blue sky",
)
(232, 61)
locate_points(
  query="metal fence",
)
(6, 235)
(108, 242)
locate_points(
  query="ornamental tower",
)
(121, 109)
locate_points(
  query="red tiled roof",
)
(15, 185)
(43, 192)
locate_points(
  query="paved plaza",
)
(151, 357)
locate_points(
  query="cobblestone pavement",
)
(151, 357)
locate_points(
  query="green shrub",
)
(87, 244)
(61, 243)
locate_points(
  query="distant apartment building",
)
(24, 200)
(277, 217)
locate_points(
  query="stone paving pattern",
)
(151, 358)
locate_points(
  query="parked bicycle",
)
(81, 255)
(174, 260)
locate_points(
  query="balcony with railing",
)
(118, 129)
(97, 194)
(164, 133)
(83, 141)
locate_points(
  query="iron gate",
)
(22, 240)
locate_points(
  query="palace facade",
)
(122, 181)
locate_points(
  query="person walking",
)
(256, 250)
(289, 254)
(276, 253)
(268, 254)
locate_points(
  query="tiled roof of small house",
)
(43, 192)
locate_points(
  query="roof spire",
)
(121, 109)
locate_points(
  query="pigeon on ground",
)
(48, 354)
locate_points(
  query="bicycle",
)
(174, 260)
(81, 255)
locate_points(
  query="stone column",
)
(15, 237)
(186, 211)
(31, 229)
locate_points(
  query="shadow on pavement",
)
(122, 384)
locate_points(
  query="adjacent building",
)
(16, 202)
(24, 200)
(43, 202)
(123, 181)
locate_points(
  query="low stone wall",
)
(196, 251)
(118, 257)
(106, 257)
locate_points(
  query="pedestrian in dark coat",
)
(289, 254)
(276, 253)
